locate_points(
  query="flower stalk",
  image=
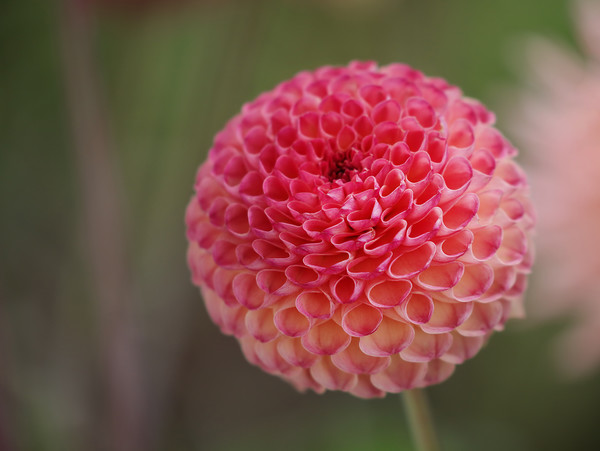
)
(420, 420)
(103, 224)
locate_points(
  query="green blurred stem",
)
(103, 223)
(420, 420)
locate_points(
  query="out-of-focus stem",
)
(419, 419)
(103, 231)
(6, 439)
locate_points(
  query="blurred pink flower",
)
(558, 122)
(361, 229)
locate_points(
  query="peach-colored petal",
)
(400, 375)
(438, 371)
(270, 358)
(447, 316)
(294, 352)
(454, 246)
(260, 325)
(368, 267)
(314, 304)
(412, 262)
(353, 360)
(483, 318)
(388, 293)
(417, 309)
(247, 292)
(331, 377)
(426, 347)
(463, 348)
(364, 388)
(475, 281)
(361, 319)
(291, 322)
(441, 277)
(325, 339)
(390, 338)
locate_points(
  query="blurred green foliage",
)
(171, 77)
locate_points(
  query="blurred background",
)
(106, 110)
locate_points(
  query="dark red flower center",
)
(341, 166)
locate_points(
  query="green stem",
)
(419, 420)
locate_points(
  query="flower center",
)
(341, 166)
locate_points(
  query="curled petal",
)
(229, 319)
(223, 286)
(259, 324)
(274, 282)
(399, 210)
(331, 377)
(330, 263)
(273, 254)
(454, 247)
(259, 223)
(291, 322)
(364, 388)
(461, 134)
(484, 165)
(223, 252)
(269, 357)
(388, 293)
(418, 308)
(365, 218)
(201, 265)
(247, 292)
(413, 262)
(426, 347)
(486, 242)
(438, 371)
(482, 320)
(326, 338)
(475, 281)
(422, 111)
(360, 320)
(463, 348)
(345, 289)
(424, 229)
(457, 177)
(303, 276)
(368, 267)
(390, 338)
(489, 203)
(353, 360)
(513, 248)
(461, 213)
(292, 350)
(387, 111)
(248, 257)
(504, 279)
(400, 375)
(386, 241)
(314, 305)
(447, 316)
(392, 188)
(441, 277)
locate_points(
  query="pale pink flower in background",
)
(361, 228)
(558, 122)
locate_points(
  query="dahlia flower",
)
(559, 123)
(360, 228)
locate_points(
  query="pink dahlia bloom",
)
(559, 123)
(361, 229)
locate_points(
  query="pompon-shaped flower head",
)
(360, 228)
(558, 119)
